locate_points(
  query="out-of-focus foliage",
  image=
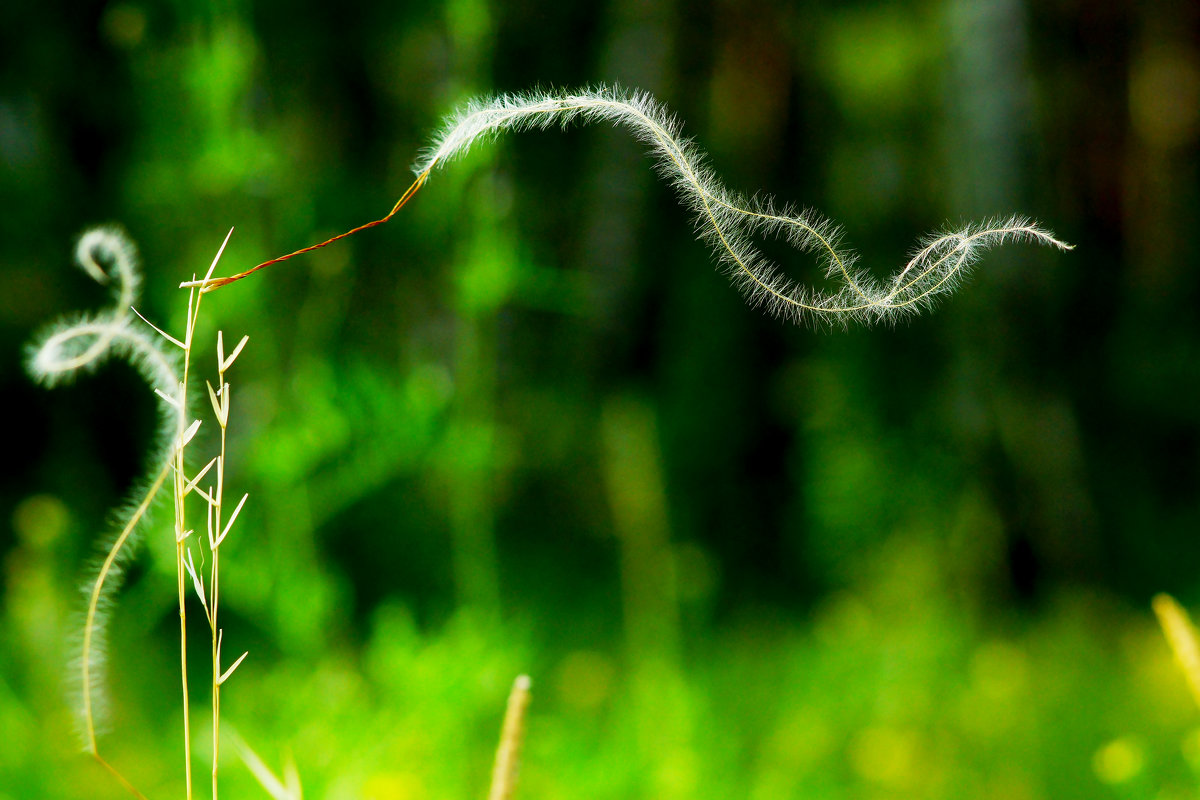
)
(527, 427)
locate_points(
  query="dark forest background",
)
(527, 427)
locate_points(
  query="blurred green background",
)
(527, 426)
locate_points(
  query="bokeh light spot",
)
(585, 679)
(40, 520)
(394, 786)
(1119, 761)
(1164, 96)
(124, 25)
(885, 755)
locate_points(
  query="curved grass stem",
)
(727, 221)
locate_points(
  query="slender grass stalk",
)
(218, 529)
(182, 532)
(1181, 635)
(183, 561)
(634, 484)
(91, 617)
(181, 535)
(726, 221)
(215, 573)
(68, 348)
(508, 754)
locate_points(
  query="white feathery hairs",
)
(67, 348)
(60, 353)
(725, 220)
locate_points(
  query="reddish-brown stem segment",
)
(216, 283)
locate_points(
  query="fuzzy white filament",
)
(727, 221)
(68, 347)
(59, 354)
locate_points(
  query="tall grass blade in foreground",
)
(727, 221)
(1181, 636)
(69, 347)
(512, 734)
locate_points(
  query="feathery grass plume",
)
(727, 221)
(69, 347)
(61, 352)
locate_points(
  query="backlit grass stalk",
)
(183, 487)
(725, 220)
(182, 533)
(217, 529)
(1181, 635)
(58, 355)
(508, 754)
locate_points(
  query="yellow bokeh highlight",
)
(1119, 761)
(585, 679)
(124, 25)
(40, 520)
(677, 774)
(1164, 96)
(887, 756)
(394, 786)
(999, 670)
(800, 743)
